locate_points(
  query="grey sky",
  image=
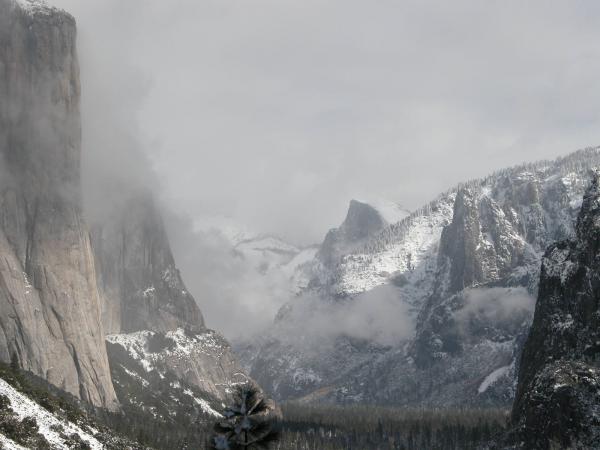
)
(278, 112)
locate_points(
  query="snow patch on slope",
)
(493, 377)
(7, 444)
(390, 211)
(559, 265)
(411, 254)
(203, 404)
(23, 407)
(136, 345)
(37, 7)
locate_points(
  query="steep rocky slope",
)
(49, 304)
(558, 403)
(459, 275)
(34, 415)
(140, 285)
(164, 361)
(362, 222)
(148, 312)
(47, 430)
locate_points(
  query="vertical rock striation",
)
(154, 326)
(139, 282)
(49, 303)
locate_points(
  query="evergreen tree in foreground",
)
(247, 424)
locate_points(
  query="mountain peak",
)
(39, 7)
(589, 216)
(362, 220)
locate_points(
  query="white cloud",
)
(377, 316)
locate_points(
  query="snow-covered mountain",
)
(266, 254)
(458, 275)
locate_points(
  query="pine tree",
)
(247, 424)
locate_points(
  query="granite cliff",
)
(91, 309)
(49, 304)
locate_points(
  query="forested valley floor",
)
(308, 427)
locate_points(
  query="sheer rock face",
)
(362, 221)
(154, 327)
(481, 244)
(557, 401)
(459, 247)
(49, 304)
(480, 247)
(140, 285)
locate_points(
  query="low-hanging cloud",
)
(116, 161)
(496, 307)
(235, 297)
(378, 316)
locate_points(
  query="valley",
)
(470, 322)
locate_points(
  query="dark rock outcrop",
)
(558, 397)
(49, 303)
(459, 247)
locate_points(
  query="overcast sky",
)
(276, 113)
